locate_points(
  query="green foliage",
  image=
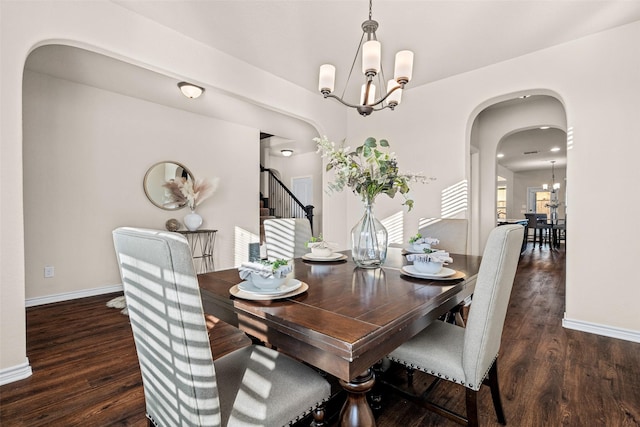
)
(275, 264)
(369, 170)
(414, 238)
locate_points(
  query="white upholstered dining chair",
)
(286, 237)
(183, 386)
(468, 356)
(452, 233)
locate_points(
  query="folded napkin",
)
(427, 240)
(264, 270)
(437, 256)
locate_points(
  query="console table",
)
(202, 244)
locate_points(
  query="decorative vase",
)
(192, 221)
(369, 240)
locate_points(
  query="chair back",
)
(490, 300)
(452, 233)
(532, 219)
(169, 330)
(286, 237)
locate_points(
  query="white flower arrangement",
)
(370, 170)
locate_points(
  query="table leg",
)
(356, 411)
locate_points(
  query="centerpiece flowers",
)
(192, 193)
(369, 170)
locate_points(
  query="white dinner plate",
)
(411, 251)
(261, 297)
(444, 274)
(333, 257)
(288, 286)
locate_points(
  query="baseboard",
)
(604, 330)
(15, 373)
(32, 302)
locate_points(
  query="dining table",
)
(345, 319)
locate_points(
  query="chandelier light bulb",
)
(404, 66)
(396, 96)
(327, 79)
(371, 57)
(372, 94)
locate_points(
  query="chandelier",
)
(371, 68)
(554, 185)
(554, 202)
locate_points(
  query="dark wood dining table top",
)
(349, 318)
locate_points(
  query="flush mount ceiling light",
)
(190, 90)
(371, 68)
(286, 153)
(500, 155)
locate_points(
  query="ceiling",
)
(292, 38)
(531, 149)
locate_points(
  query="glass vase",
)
(369, 240)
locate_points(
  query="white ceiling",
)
(531, 149)
(292, 38)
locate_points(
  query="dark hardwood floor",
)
(85, 369)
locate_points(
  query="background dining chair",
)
(182, 384)
(286, 237)
(468, 356)
(452, 233)
(541, 229)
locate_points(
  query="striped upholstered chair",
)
(468, 356)
(183, 386)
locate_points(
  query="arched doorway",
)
(515, 120)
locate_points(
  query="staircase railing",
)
(283, 203)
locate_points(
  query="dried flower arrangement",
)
(189, 192)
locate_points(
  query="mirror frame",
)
(148, 190)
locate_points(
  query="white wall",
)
(597, 78)
(535, 178)
(86, 151)
(107, 28)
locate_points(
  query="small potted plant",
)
(319, 247)
(419, 243)
(265, 274)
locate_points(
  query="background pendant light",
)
(371, 68)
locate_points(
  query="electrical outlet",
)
(49, 271)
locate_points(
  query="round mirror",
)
(158, 175)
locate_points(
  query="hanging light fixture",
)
(371, 68)
(190, 90)
(554, 203)
(554, 185)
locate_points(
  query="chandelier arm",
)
(330, 95)
(400, 86)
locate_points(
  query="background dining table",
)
(347, 320)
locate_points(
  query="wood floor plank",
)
(85, 368)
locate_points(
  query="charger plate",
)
(238, 293)
(444, 274)
(289, 286)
